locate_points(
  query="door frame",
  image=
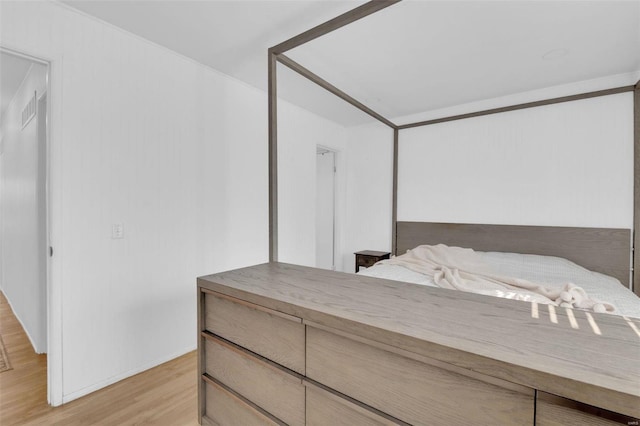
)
(327, 149)
(53, 287)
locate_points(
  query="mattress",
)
(552, 271)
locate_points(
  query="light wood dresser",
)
(284, 344)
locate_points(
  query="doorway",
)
(24, 233)
(325, 208)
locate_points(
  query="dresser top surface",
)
(585, 353)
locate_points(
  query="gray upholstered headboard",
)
(604, 250)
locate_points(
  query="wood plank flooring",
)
(164, 395)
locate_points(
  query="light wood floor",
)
(165, 395)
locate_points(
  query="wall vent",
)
(29, 111)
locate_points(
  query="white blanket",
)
(462, 269)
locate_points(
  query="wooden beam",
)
(290, 63)
(520, 106)
(273, 159)
(333, 24)
(636, 188)
(394, 211)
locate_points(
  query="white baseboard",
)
(89, 389)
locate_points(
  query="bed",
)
(289, 344)
(601, 257)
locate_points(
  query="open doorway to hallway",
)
(24, 246)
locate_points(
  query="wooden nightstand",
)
(367, 258)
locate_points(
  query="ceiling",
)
(411, 57)
(424, 55)
(232, 37)
(13, 70)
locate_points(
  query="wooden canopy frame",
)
(277, 54)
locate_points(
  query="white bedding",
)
(553, 271)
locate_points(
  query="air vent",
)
(29, 111)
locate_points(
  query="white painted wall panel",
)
(369, 194)
(234, 201)
(364, 159)
(299, 133)
(22, 259)
(568, 164)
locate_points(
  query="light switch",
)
(117, 231)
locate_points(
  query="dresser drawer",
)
(326, 408)
(553, 410)
(260, 381)
(274, 335)
(411, 390)
(226, 409)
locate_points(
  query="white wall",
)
(232, 227)
(299, 133)
(364, 161)
(369, 190)
(583, 86)
(22, 260)
(566, 164)
(173, 150)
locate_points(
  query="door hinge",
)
(50, 251)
